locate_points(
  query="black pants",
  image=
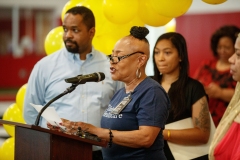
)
(97, 155)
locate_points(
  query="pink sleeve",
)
(229, 146)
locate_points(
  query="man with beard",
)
(47, 80)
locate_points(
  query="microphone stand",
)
(68, 90)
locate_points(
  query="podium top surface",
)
(102, 143)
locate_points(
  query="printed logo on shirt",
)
(108, 113)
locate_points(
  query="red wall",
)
(197, 29)
(14, 72)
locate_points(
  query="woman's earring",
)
(138, 73)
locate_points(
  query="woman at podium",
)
(136, 115)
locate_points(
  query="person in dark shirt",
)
(136, 115)
(188, 98)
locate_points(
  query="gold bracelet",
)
(168, 134)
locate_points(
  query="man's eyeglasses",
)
(116, 59)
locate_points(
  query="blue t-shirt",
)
(149, 106)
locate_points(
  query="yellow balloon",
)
(14, 114)
(20, 97)
(136, 22)
(105, 43)
(120, 12)
(124, 29)
(54, 40)
(69, 5)
(214, 1)
(109, 33)
(7, 149)
(149, 16)
(173, 8)
(97, 9)
(1, 151)
(105, 37)
(171, 26)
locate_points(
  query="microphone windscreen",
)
(102, 76)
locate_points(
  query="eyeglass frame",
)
(123, 57)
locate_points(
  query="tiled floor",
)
(3, 134)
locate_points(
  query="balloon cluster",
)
(114, 18)
(12, 113)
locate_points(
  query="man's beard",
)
(73, 50)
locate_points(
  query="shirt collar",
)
(75, 57)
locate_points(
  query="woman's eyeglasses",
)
(116, 59)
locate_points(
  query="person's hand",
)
(60, 128)
(74, 128)
(213, 90)
(70, 126)
(53, 127)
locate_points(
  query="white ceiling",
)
(197, 7)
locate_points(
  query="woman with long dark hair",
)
(187, 96)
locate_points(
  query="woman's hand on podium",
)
(56, 127)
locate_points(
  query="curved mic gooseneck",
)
(68, 90)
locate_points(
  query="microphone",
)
(82, 79)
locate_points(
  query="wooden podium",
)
(34, 142)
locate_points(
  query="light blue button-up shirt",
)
(86, 103)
